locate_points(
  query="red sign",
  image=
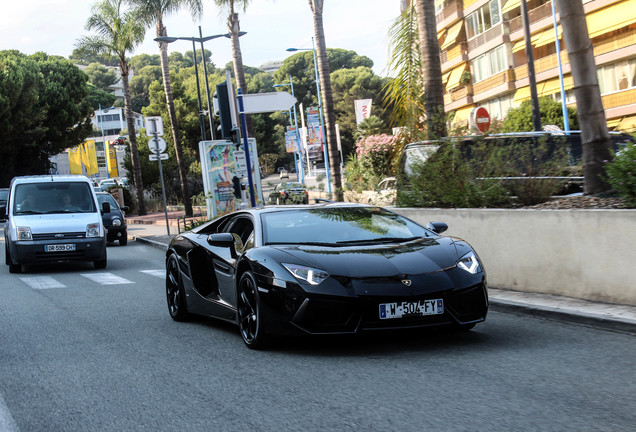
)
(482, 119)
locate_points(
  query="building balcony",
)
(615, 42)
(454, 56)
(459, 96)
(619, 99)
(478, 42)
(534, 15)
(451, 12)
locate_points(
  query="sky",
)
(272, 26)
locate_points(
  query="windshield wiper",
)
(380, 240)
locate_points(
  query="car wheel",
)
(123, 240)
(100, 264)
(249, 313)
(13, 268)
(175, 293)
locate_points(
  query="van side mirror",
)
(437, 227)
(105, 207)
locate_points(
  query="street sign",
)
(267, 102)
(154, 126)
(160, 156)
(157, 145)
(240, 164)
(481, 119)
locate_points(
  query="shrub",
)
(621, 174)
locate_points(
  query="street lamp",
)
(322, 121)
(201, 39)
(302, 169)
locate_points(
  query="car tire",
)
(100, 264)
(123, 240)
(250, 318)
(175, 293)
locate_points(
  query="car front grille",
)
(60, 236)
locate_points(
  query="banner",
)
(111, 160)
(89, 157)
(75, 160)
(314, 131)
(363, 109)
(291, 140)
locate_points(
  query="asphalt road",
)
(89, 350)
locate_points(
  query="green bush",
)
(621, 174)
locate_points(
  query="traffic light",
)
(236, 182)
(222, 109)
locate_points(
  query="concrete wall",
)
(585, 254)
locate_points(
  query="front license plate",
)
(409, 309)
(59, 248)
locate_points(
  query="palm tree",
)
(594, 135)
(327, 95)
(431, 69)
(233, 26)
(118, 32)
(152, 12)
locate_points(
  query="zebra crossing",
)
(101, 278)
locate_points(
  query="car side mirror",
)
(225, 240)
(124, 208)
(437, 227)
(105, 207)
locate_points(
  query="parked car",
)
(334, 268)
(385, 193)
(289, 193)
(4, 196)
(106, 183)
(54, 218)
(115, 220)
(283, 174)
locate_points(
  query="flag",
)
(89, 157)
(363, 109)
(111, 160)
(75, 160)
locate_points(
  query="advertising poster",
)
(291, 140)
(314, 131)
(219, 167)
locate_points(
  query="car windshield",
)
(102, 198)
(53, 197)
(291, 186)
(338, 226)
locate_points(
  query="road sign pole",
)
(246, 147)
(155, 141)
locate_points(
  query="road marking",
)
(42, 282)
(106, 278)
(7, 424)
(158, 273)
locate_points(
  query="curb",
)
(151, 242)
(575, 317)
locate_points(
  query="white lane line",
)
(42, 282)
(106, 278)
(158, 273)
(7, 424)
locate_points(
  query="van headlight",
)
(92, 230)
(116, 222)
(23, 233)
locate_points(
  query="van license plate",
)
(59, 248)
(416, 308)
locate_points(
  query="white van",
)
(54, 218)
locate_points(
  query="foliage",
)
(100, 76)
(371, 125)
(43, 111)
(372, 161)
(520, 119)
(98, 97)
(621, 173)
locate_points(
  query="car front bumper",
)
(33, 252)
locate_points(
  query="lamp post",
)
(322, 121)
(201, 39)
(106, 147)
(302, 169)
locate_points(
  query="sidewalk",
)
(151, 229)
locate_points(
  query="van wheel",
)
(15, 268)
(100, 264)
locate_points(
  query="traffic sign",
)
(481, 119)
(240, 164)
(154, 126)
(160, 156)
(267, 102)
(157, 145)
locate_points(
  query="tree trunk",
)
(233, 26)
(132, 139)
(327, 96)
(594, 135)
(431, 69)
(165, 71)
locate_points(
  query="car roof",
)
(52, 178)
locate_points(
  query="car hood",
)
(59, 223)
(422, 256)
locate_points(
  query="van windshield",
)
(53, 197)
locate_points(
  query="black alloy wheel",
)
(249, 313)
(175, 293)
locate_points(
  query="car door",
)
(225, 263)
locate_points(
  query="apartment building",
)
(484, 63)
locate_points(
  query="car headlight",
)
(308, 274)
(92, 230)
(116, 222)
(470, 263)
(24, 233)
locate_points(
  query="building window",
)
(108, 117)
(489, 64)
(617, 77)
(499, 107)
(483, 19)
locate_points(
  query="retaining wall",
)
(585, 254)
